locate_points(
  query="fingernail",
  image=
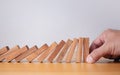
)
(89, 59)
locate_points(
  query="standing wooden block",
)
(47, 52)
(56, 51)
(16, 53)
(2, 57)
(86, 48)
(79, 51)
(71, 51)
(4, 50)
(25, 54)
(37, 52)
(64, 50)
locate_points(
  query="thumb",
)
(97, 54)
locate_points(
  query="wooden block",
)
(79, 51)
(37, 52)
(2, 57)
(86, 48)
(47, 52)
(25, 54)
(4, 50)
(16, 53)
(71, 51)
(56, 51)
(64, 50)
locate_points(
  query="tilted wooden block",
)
(56, 51)
(25, 54)
(2, 57)
(4, 50)
(64, 50)
(37, 53)
(71, 51)
(16, 53)
(75, 50)
(47, 52)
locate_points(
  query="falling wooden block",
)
(79, 51)
(16, 53)
(2, 57)
(47, 52)
(56, 51)
(37, 53)
(4, 50)
(71, 51)
(64, 50)
(25, 54)
(86, 48)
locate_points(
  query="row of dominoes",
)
(76, 49)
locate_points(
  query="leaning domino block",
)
(72, 50)
(25, 54)
(3, 56)
(4, 50)
(64, 50)
(77, 48)
(47, 52)
(56, 51)
(32, 56)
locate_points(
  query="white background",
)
(35, 22)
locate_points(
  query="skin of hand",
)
(106, 45)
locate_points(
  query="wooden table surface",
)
(105, 68)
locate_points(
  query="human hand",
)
(106, 45)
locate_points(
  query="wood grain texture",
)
(26, 53)
(47, 52)
(86, 48)
(4, 50)
(16, 53)
(56, 51)
(2, 57)
(64, 50)
(71, 51)
(75, 50)
(31, 57)
(79, 51)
